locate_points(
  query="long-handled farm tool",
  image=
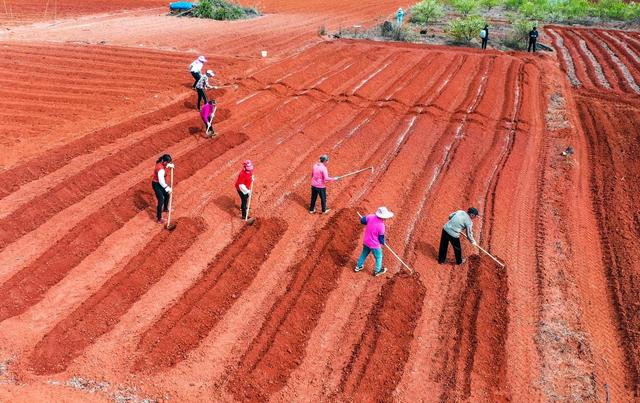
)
(411, 271)
(246, 216)
(354, 172)
(170, 227)
(485, 252)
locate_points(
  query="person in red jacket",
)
(243, 186)
(160, 186)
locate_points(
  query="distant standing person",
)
(399, 16)
(196, 69)
(458, 221)
(202, 86)
(319, 178)
(533, 39)
(243, 186)
(160, 186)
(373, 239)
(484, 35)
(208, 113)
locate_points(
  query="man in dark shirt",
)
(484, 35)
(533, 39)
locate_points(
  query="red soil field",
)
(100, 303)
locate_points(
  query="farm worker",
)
(208, 113)
(243, 185)
(533, 39)
(458, 221)
(196, 69)
(319, 178)
(484, 35)
(202, 85)
(400, 16)
(373, 239)
(160, 186)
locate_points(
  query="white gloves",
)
(170, 165)
(244, 189)
(168, 189)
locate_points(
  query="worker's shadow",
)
(427, 250)
(143, 201)
(228, 204)
(299, 200)
(196, 131)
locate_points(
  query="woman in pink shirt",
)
(373, 239)
(319, 178)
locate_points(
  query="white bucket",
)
(264, 53)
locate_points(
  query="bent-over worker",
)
(160, 186)
(458, 221)
(195, 68)
(202, 85)
(208, 113)
(373, 239)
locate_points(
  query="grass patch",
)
(222, 10)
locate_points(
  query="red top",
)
(244, 177)
(157, 169)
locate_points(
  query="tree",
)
(426, 12)
(489, 4)
(465, 29)
(465, 7)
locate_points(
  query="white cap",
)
(210, 73)
(383, 212)
(202, 59)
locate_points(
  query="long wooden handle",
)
(355, 172)
(246, 217)
(170, 199)
(485, 252)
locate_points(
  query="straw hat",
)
(210, 73)
(202, 59)
(248, 166)
(384, 213)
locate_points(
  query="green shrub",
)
(617, 10)
(426, 11)
(517, 37)
(400, 33)
(465, 29)
(221, 10)
(489, 4)
(465, 7)
(574, 9)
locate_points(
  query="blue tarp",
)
(181, 5)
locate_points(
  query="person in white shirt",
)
(458, 221)
(196, 69)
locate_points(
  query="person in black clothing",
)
(533, 39)
(485, 38)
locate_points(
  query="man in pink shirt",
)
(373, 239)
(208, 113)
(319, 178)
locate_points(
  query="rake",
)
(354, 172)
(487, 253)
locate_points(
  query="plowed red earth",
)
(100, 303)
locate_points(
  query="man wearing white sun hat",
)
(195, 68)
(373, 239)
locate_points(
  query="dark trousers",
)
(484, 42)
(163, 199)
(201, 96)
(532, 44)
(315, 192)
(243, 203)
(196, 77)
(445, 238)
